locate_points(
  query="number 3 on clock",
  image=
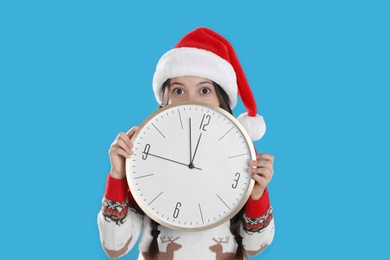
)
(237, 175)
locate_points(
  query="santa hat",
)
(206, 54)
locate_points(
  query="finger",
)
(259, 178)
(261, 181)
(119, 151)
(266, 172)
(122, 136)
(125, 138)
(131, 132)
(261, 164)
(264, 156)
(125, 146)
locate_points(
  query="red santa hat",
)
(206, 54)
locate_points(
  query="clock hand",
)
(157, 156)
(196, 149)
(190, 144)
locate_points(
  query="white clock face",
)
(189, 167)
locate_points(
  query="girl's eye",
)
(178, 91)
(205, 90)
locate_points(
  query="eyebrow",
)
(203, 82)
(200, 83)
(176, 83)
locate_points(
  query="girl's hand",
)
(262, 173)
(119, 151)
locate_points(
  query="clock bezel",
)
(231, 214)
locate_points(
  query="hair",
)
(153, 249)
(235, 228)
(236, 221)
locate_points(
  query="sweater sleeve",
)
(118, 220)
(258, 224)
(258, 213)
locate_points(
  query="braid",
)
(235, 228)
(153, 247)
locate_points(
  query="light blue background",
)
(75, 73)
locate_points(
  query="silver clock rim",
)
(231, 214)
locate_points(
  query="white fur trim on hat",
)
(195, 62)
(255, 126)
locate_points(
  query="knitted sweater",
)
(121, 224)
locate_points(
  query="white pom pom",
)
(255, 126)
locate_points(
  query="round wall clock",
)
(189, 167)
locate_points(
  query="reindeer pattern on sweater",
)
(121, 225)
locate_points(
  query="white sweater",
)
(121, 225)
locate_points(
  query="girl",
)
(202, 67)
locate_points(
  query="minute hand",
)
(196, 149)
(157, 156)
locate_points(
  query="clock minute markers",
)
(181, 123)
(158, 130)
(143, 176)
(226, 133)
(238, 155)
(155, 198)
(223, 201)
(200, 211)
